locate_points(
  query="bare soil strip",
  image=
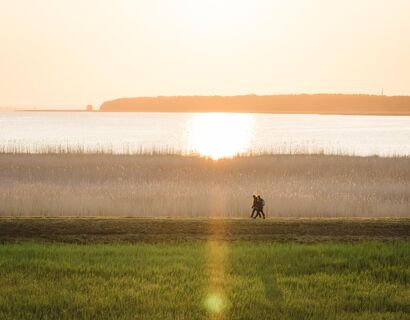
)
(106, 230)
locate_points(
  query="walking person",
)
(260, 203)
(254, 206)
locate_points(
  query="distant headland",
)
(359, 104)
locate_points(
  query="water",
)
(216, 135)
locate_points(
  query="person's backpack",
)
(262, 202)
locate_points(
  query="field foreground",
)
(139, 268)
(205, 280)
(103, 230)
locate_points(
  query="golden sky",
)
(73, 52)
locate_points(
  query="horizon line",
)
(74, 107)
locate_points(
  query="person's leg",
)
(258, 213)
(253, 212)
(263, 213)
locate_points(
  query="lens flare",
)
(214, 303)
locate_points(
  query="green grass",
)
(205, 280)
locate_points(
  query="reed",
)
(13, 147)
(155, 184)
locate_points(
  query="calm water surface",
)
(210, 134)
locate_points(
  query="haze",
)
(71, 53)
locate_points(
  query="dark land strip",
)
(107, 230)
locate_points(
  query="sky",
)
(70, 53)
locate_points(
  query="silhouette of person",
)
(260, 203)
(254, 206)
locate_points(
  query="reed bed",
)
(170, 185)
(287, 148)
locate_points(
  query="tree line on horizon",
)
(300, 103)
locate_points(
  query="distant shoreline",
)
(319, 104)
(54, 110)
(329, 104)
(258, 112)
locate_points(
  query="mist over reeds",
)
(159, 184)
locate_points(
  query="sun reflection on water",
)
(220, 135)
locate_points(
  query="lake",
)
(209, 134)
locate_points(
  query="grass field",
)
(205, 280)
(174, 186)
(140, 268)
(190, 253)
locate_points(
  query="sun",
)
(220, 135)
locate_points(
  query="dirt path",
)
(102, 230)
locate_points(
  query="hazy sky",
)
(75, 52)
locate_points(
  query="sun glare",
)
(220, 135)
(215, 14)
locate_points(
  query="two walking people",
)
(257, 207)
